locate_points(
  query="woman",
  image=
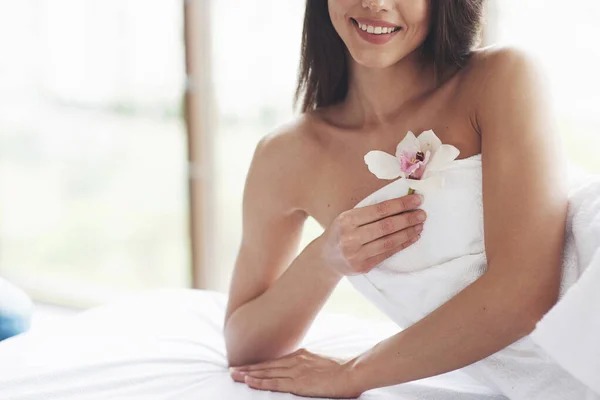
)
(370, 72)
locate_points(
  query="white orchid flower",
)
(417, 159)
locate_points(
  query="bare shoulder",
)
(291, 147)
(500, 56)
(497, 75)
(292, 141)
(494, 67)
(285, 160)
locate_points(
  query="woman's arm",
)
(525, 203)
(269, 310)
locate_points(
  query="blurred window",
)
(93, 190)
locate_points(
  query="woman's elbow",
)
(535, 305)
(239, 348)
(233, 350)
(235, 355)
(239, 354)
(525, 294)
(235, 358)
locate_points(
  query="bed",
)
(167, 344)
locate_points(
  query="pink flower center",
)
(413, 164)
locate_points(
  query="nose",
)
(374, 5)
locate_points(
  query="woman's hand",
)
(361, 238)
(301, 373)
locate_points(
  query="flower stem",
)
(411, 191)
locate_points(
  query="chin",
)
(378, 60)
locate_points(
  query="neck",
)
(376, 95)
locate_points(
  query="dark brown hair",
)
(323, 73)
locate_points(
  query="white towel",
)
(570, 332)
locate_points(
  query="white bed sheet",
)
(167, 344)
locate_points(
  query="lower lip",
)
(373, 38)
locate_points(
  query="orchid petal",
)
(408, 167)
(428, 140)
(427, 157)
(442, 157)
(419, 172)
(409, 144)
(383, 165)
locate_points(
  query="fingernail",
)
(419, 228)
(421, 216)
(418, 199)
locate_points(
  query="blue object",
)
(16, 309)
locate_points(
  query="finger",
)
(387, 226)
(271, 373)
(273, 384)
(372, 262)
(368, 214)
(396, 241)
(238, 376)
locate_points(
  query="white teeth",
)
(376, 30)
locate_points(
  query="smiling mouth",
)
(374, 29)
